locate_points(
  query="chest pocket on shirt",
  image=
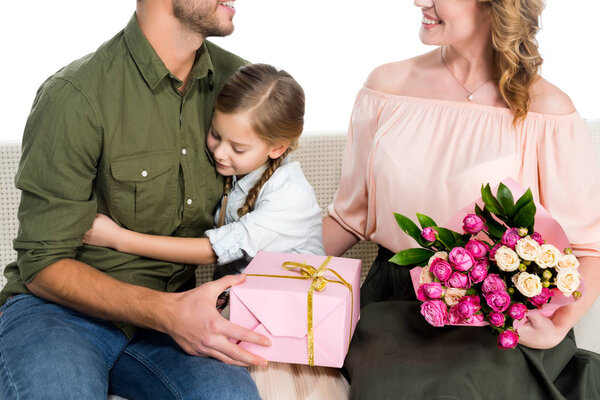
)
(143, 192)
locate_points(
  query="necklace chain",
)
(469, 93)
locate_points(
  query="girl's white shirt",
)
(286, 217)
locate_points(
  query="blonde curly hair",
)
(515, 24)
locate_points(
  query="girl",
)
(267, 204)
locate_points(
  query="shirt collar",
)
(248, 181)
(149, 63)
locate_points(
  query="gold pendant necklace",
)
(469, 93)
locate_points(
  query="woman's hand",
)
(540, 332)
(104, 232)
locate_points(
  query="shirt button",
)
(183, 151)
(144, 173)
(189, 201)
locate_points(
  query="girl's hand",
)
(104, 232)
(540, 332)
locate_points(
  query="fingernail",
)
(267, 342)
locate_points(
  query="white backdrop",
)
(328, 46)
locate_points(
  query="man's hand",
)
(200, 330)
(540, 332)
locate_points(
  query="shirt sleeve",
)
(350, 204)
(281, 221)
(61, 148)
(569, 177)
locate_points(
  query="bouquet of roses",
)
(494, 271)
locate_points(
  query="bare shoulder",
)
(548, 99)
(392, 78)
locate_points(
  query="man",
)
(122, 132)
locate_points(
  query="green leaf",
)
(525, 216)
(411, 256)
(522, 202)
(478, 210)
(446, 237)
(494, 228)
(505, 198)
(410, 228)
(490, 201)
(425, 221)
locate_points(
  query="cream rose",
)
(426, 276)
(529, 285)
(549, 256)
(439, 254)
(507, 259)
(514, 279)
(567, 281)
(567, 261)
(527, 248)
(453, 295)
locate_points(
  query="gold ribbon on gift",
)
(319, 282)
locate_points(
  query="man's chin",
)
(223, 31)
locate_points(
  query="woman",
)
(425, 134)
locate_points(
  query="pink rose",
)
(478, 318)
(496, 319)
(517, 311)
(429, 234)
(492, 283)
(435, 312)
(441, 269)
(541, 298)
(472, 224)
(453, 317)
(461, 259)
(430, 291)
(479, 271)
(538, 238)
(459, 281)
(494, 249)
(467, 307)
(473, 299)
(511, 237)
(477, 248)
(508, 339)
(498, 300)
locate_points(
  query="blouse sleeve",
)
(349, 207)
(569, 177)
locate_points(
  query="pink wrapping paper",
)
(547, 226)
(277, 308)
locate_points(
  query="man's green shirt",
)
(111, 133)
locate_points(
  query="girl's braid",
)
(253, 193)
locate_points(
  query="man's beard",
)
(199, 19)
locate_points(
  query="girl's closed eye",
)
(214, 133)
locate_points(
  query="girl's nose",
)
(219, 153)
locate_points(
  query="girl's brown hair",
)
(515, 24)
(275, 102)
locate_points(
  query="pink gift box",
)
(277, 307)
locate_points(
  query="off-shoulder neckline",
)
(452, 103)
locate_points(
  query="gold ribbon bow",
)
(319, 282)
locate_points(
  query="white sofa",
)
(321, 158)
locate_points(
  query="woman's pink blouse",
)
(408, 155)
